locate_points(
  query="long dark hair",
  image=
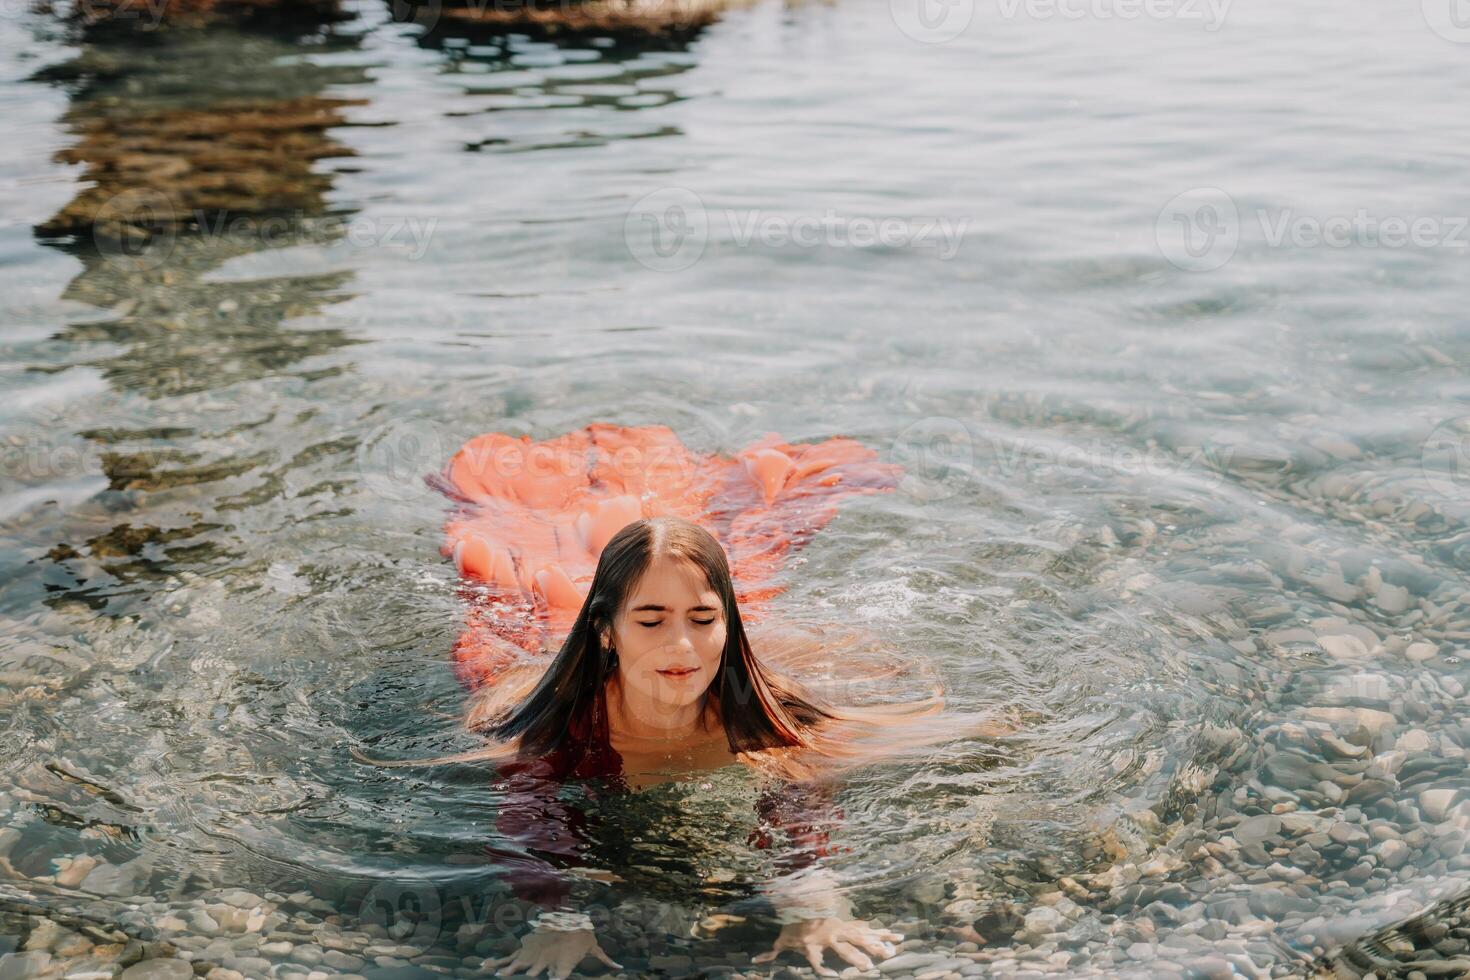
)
(759, 710)
(533, 712)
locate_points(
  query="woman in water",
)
(657, 679)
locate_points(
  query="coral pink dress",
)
(532, 518)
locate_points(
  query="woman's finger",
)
(889, 934)
(852, 954)
(874, 945)
(765, 957)
(512, 964)
(814, 956)
(565, 964)
(598, 952)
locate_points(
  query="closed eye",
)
(701, 622)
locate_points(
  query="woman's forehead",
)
(670, 582)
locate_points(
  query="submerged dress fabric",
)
(531, 519)
(542, 835)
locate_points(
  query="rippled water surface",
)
(1187, 486)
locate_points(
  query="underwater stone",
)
(1414, 740)
(1391, 598)
(909, 961)
(203, 923)
(159, 969)
(1392, 853)
(1256, 829)
(113, 879)
(1435, 802)
(22, 966)
(1343, 647)
(240, 898)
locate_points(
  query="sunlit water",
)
(1186, 485)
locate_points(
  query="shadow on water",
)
(200, 138)
(188, 171)
(199, 142)
(540, 71)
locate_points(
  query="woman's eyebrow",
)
(654, 607)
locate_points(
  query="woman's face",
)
(669, 635)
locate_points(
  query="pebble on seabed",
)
(159, 969)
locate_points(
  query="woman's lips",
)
(678, 673)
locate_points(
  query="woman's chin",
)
(678, 699)
(679, 695)
(672, 693)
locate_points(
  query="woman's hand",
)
(555, 951)
(848, 938)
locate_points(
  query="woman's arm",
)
(815, 915)
(533, 816)
(548, 832)
(802, 813)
